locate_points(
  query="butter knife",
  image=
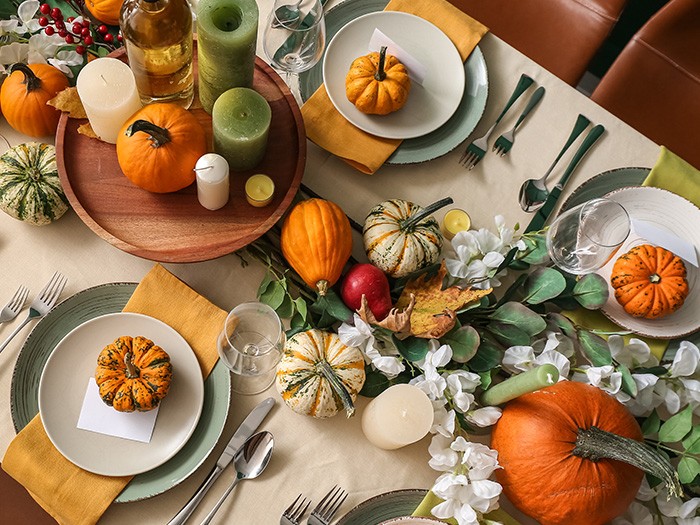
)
(247, 429)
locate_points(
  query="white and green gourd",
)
(30, 189)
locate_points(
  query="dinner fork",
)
(41, 304)
(325, 510)
(295, 511)
(477, 149)
(12, 308)
(505, 141)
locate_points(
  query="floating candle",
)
(108, 92)
(241, 123)
(520, 384)
(455, 221)
(397, 417)
(259, 190)
(212, 181)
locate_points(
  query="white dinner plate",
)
(676, 215)
(429, 105)
(65, 378)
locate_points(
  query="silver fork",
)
(325, 510)
(295, 511)
(41, 304)
(11, 309)
(505, 141)
(477, 149)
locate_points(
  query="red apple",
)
(368, 280)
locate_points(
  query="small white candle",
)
(107, 89)
(212, 181)
(397, 417)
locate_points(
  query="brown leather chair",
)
(560, 35)
(654, 85)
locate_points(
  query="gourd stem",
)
(159, 136)
(132, 371)
(322, 287)
(381, 74)
(337, 385)
(413, 220)
(596, 444)
(30, 79)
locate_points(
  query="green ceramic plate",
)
(74, 311)
(383, 507)
(604, 183)
(449, 135)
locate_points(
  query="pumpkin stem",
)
(30, 79)
(322, 287)
(381, 74)
(596, 444)
(654, 278)
(132, 371)
(337, 386)
(410, 222)
(158, 136)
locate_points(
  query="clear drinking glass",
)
(584, 238)
(251, 345)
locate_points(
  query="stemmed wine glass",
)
(295, 36)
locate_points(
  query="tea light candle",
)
(455, 221)
(397, 417)
(107, 89)
(212, 181)
(520, 384)
(259, 190)
(227, 32)
(241, 123)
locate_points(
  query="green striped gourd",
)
(401, 237)
(30, 189)
(318, 375)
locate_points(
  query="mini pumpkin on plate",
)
(377, 83)
(133, 373)
(649, 281)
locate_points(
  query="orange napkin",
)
(74, 496)
(329, 129)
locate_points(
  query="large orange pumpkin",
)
(565, 451)
(158, 147)
(106, 11)
(24, 94)
(649, 281)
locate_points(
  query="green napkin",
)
(431, 500)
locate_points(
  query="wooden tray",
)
(174, 227)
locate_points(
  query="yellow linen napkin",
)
(74, 496)
(674, 174)
(329, 129)
(431, 500)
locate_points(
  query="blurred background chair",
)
(560, 35)
(654, 84)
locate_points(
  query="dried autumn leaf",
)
(86, 129)
(69, 102)
(434, 309)
(398, 321)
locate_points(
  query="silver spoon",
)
(534, 192)
(249, 462)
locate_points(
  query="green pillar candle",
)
(241, 121)
(227, 32)
(524, 383)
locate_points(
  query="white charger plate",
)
(428, 106)
(678, 216)
(65, 378)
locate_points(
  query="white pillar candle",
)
(212, 181)
(397, 417)
(108, 92)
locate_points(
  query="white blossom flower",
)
(478, 458)
(26, 12)
(432, 383)
(65, 59)
(637, 353)
(436, 357)
(464, 498)
(643, 403)
(14, 53)
(444, 421)
(443, 457)
(483, 417)
(666, 396)
(43, 48)
(361, 336)
(686, 362)
(518, 359)
(461, 385)
(559, 360)
(604, 377)
(9, 26)
(555, 340)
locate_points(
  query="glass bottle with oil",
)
(158, 39)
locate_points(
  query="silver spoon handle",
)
(581, 124)
(213, 511)
(191, 505)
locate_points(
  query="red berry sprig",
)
(80, 33)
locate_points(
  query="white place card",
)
(417, 71)
(655, 235)
(96, 416)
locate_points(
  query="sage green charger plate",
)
(604, 183)
(448, 136)
(74, 311)
(383, 507)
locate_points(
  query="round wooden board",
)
(174, 227)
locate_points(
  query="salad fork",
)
(477, 149)
(325, 510)
(505, 141)
(41, 304)
(12, 308)
(295, 511)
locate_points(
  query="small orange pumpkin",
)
(649, 281)
(316, 240)
(158, 147)
(24, 94)
(106, 11)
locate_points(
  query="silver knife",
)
(247, 429)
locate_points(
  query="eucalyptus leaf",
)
(651, 424)
(688, 469)
(562, 324)
(486, 379)
(376, 382)
(481, 303)
(412, 348)
(331, 305)
(628, 384)
(286, 309)
(508, 334)
(591, 291)
(691, 444)
(655, 370)
(536, 252)
(301, 308)
(595, 349)
(274, 295)
(521, 316)
(488, 357)
(464, 342)
(265, 283)
(677, 427)
(544, 284)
